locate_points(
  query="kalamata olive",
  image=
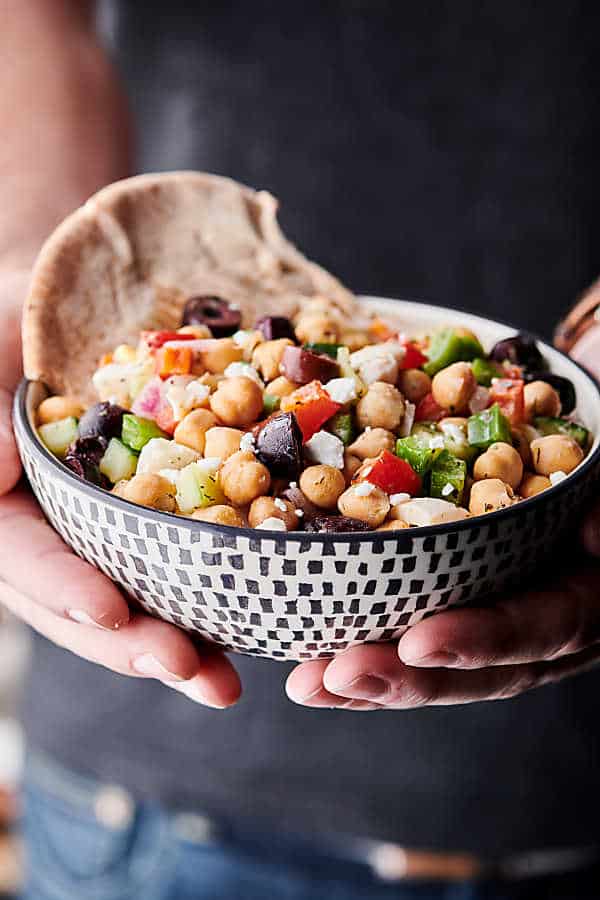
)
(520, 350)
(303, 366)
(103, 420)
(299, 500)
(83, 458)
(279, 445)
(336, 524)
(564, 388)
(217, 314)
(273, 328)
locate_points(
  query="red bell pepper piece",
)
(312, 406)
(413, 358)
(392, 474)
(509, 394)
(429, 411)
(174, 361)
(155, 339)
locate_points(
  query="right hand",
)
(62, 597)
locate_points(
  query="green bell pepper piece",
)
(449, 346)
(488, 427)
(549, 425)
(342, 425)
(484, 371)
(137, 431)
(271, 403)
(328, 349)
(418, 453)
(448, 472)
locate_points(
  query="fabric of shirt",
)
(437, 150)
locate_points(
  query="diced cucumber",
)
(137, 431)
(58, 436)
(448, 475)
(548, 425)
(119, 462)
(342, 425)
(198, 487)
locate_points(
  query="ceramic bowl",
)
(298, 596)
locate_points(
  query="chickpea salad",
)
(318, 424)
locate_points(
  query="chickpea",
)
(191, 431)
(352, 464)
(267, 356)
(281, 387)
(381, 407)
(371, 508)
(221, 442)
(372, 443)
(317, 328)
(522, 436)
(218, 353)
(489, 495)
(354, 340)
(555, 453)
(533, 484)
(269, 508)
(243, 478)
(541, 400)
(414, 384)
(500, 461)
(150, 490)
(200, 332)
(210, 380)
(220, 514)
(323, 485)
(454, 386)
(52, 409)
(237, 401)
(393, 525)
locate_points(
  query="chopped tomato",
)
(165, 419)
(155, 339)
(392, 474)
(174, 361)
(509, 394)
(312, 406)
(429, 411)
(413, 358)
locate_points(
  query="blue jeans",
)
(86, 843)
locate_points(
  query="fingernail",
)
(365, 687)
(191, 690)
(147, 664)
(438, 660)
(83, 618)
(306, 697)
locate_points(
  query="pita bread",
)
(136, 251)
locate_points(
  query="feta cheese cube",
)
(557, 477)
(248, 442)
(397, 499)
(271, 523)
(430, 511)
(160, 453)
(325, 449)
(342, 390)
(364, 489)
(244, 370)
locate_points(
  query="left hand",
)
(490, 653)
(469, 654)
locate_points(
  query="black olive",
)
(103, 420)
(279, 445)
(302, 366)
(274, 328)
(217, 314)
(336, 524)
(564, 388)
(299, 500)
(83, 458)
(520, 350)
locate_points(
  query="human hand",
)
(68, 601)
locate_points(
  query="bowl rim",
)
(23, 425)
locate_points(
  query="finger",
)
(537, 625)
(591, 531)
(10, 462)
(145, 647)
(305, 687)
(10, 372)
(35, 561)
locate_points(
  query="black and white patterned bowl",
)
(299, 596)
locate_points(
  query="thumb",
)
(13, 287)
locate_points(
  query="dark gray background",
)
(440, 150)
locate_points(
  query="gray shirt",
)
(440, 151)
